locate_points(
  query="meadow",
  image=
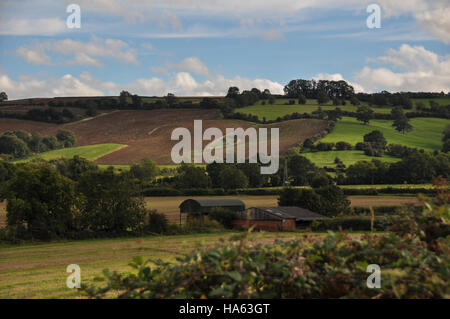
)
(280, 109)
(39, 270)
(322, 159)
(426, 134)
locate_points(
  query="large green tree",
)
(232, 178)
(109, 203)
(13, 146)
(364, 114)
(191, 176)
(40, 203)
(146, 170)
(66, 138)
(401, 122)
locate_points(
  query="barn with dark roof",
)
(276, 218)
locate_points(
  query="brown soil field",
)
(374, 201)
(147, 133)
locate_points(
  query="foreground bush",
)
(414, 261)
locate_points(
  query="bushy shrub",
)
(156, 223)
(324, 147)
(342, 146)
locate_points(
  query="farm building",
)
(202, 206)
(276, 218)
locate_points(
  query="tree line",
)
(21, 144)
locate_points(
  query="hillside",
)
(147, 133)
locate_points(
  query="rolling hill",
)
(148, 133)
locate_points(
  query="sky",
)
(200, 48)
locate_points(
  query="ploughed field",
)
(148, 133)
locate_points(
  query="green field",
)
(427, 132)
(427, 135)
(280, 109)
(90, 152)
(322, 159)
(441, 101)
(39, 270)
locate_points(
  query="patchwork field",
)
(148, 133)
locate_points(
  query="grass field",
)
(39, 270)
(280, 109)
(427, 132)
(322, 159)
(90, 152)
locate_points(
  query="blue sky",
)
(202, 47)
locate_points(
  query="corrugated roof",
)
(213, 202)
(285, 212)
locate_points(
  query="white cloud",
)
(46, 26)
(35, 55)
(193, 64)
(84, 59)
(84, 53)
(437, 22)
(419, 70)
(182, 84)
